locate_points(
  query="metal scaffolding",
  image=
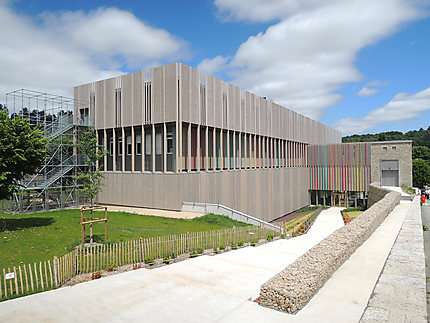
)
(53, 186)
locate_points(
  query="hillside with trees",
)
(420, 150)
(419, 137)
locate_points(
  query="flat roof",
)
(391, 142)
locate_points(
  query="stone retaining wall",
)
(292, 288)
(376, 193)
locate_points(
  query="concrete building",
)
(176, 135)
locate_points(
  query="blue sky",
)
(361, 66)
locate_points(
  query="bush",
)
(283, 236)
(166, 259)
(353, 209)
(307, 208)
(269, 237)
(234, 246)
(240, 243)
(111, 267)
(216, 250)
(149, 260)
(222, 247)
(254, 242)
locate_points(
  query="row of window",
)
(201, 148)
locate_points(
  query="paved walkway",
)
(403, 276)
(218, 288)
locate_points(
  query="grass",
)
(408, 189)
(308, 208)
(354, 214)
(28, 238)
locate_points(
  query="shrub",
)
(254, 242)
(111, 267)
(240, 243)
(269, 237)
(96, 275)
(149, 260)
(199, 250)
(283, 236)
(222, 247)
(234, 246)
(216, 250)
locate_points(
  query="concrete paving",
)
(219, 288)
(400, 293)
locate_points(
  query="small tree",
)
(90, 181)
(22, 151)
(420, 172)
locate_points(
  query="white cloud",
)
(65, 49)
(214, 65)
(304, 59)
(365, 91)
(267, 10)
(401, 108)
(377, 83)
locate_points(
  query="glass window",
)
(138, 144)
(148, 144)
(170, 143)
(394, 148)
(111, 146)
(119, 146)
(128, 140)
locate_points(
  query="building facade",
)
(175, 134)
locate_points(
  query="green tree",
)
(382, 137)
(421, 152)
(420, 172)
(22, 151)
(90, 181)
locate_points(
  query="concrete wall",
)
(392, 150)
(263, 193)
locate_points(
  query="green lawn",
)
(27, 238)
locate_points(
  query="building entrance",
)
(340, 199)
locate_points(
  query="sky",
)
(360, 66)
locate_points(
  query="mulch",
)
(289, 217)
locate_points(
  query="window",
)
(394, 148)
(384, 148)
(170, 143)
(138, 144)
(111, 146)
(128, 145)
(158, 143)
(119, 146)
(148, 144)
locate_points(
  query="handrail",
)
(246, 218)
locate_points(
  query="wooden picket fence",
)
(46, 275)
